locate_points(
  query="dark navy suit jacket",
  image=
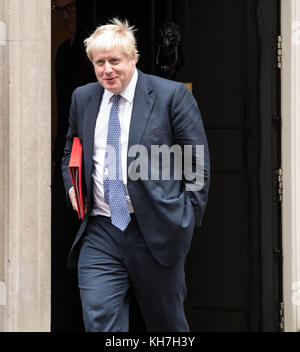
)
(164, 113)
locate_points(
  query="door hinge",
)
(276, 118)
(281, 316)
(277, 252)
(279, 184)
(279, 51)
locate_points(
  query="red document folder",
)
(75, 167)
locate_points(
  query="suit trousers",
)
(112, 263)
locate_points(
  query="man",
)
(66, 12)
(65, 70)
(72, 70)
(137, 230)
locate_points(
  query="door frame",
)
(290, 96)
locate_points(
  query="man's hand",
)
(73, 200)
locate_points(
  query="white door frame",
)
(290, 98)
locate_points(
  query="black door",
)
(234, 268)
(228, 52)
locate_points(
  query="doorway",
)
(228, 56)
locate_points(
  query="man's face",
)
(66, 12)
(113, 69)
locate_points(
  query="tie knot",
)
(115, 99)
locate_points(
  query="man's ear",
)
(134, 57)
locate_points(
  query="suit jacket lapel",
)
(142, 107)
(91, 113)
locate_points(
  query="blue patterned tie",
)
(114, 192)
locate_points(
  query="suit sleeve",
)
(189, 133)
(72, 132)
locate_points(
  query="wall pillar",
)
(25, 165)
(3, 158)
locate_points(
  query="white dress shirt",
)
(124, 111)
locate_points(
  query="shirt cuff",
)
(70, 190)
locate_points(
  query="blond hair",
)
(116, 34)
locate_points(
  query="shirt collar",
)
(128, 92)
